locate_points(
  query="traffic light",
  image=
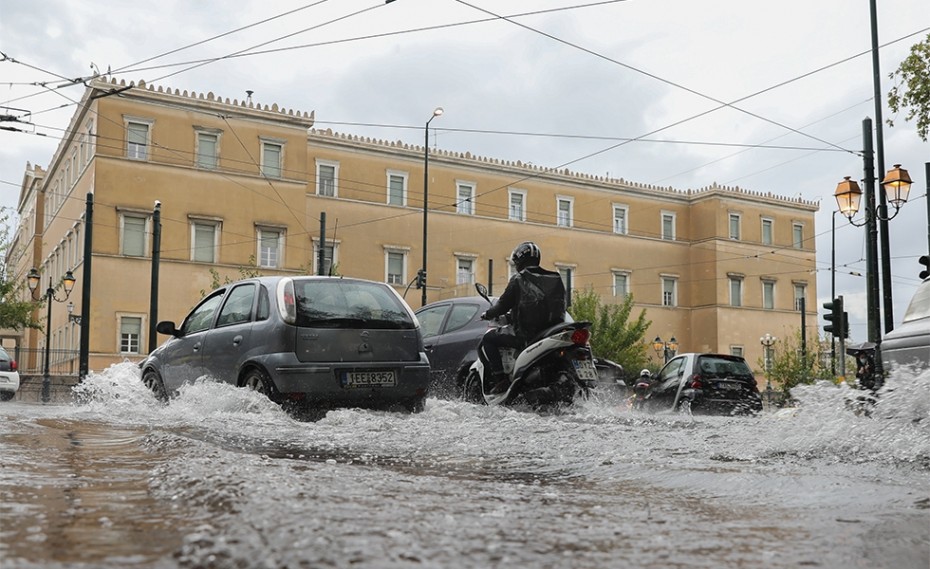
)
(421, 278)
(925, 261)
(834, 317)
(845, 324)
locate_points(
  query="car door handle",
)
(197, 346)
(237, 340)
(427, 347)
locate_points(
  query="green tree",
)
(791, 368)
(245, 272)
(911, 91)
(15, 313)
(613, 335)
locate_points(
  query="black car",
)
(451, 331)
(701, 383)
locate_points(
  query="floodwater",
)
(222, 478)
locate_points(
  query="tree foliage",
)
(911, 91)
(791, 368)
(15, 313)
(613, 335)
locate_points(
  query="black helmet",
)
(525, 255)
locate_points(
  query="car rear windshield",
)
(723, 366)
(339, 303)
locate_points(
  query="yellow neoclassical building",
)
(245, 188)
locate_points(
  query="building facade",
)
(243, 189)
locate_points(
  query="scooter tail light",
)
(581, 336)
(696, 382)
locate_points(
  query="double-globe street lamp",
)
(665, 349)
(33, 280)
(421, 275)
(897, 184)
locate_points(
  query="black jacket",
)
(536, 297)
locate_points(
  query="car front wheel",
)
(153, 381)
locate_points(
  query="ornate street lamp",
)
(665, 349)
(33, 280)
(421, 274)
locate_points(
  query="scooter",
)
(554, 369)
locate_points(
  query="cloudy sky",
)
(769, 96)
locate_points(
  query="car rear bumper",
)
(323, 383)
(9, 381)
(726, 406)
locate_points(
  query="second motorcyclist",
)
(535, 298)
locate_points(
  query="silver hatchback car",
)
(309, 342)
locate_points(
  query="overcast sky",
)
(556, 83)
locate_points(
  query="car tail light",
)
(287, 301)
(12, 365)
(695, 382)
(581, 336)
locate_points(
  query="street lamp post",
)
(767, 342)
(848, 196)
(421, 276)
(665, 349)
(33, 280)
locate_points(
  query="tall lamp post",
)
(665, 349)
(767, 342)
(421, 274)
(33, 280)
(897, 184)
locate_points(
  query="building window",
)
(564, 217)
(465, 271)
(272, 153)
(270, 247)
(465, 199)
(734, 226)
(767, 231)
(621, 284)
(668, 225)
(204, 244)
(736, 351)
(800, 296)
(329, 258)
(130, 334)
(567, 274)
(669, 291)
(768, 295)
(397, 188)
(517, 206)
(327, 174)
(137, 139)
(395, 267)
(621, 212)
(797, 231)
(736, 291)
(134, 235)
(208, 150)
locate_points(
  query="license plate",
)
(385, 378)
(729, 386)
(585, 370)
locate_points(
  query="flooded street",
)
(222, 478)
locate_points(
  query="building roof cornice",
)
(525, 170)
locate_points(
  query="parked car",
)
(309, 342)
(451, 331)
(9, 376)
(701, 383)
(909, 343)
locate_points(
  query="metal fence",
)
(32, 361)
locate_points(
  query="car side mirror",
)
(167, 328)
(482, 291)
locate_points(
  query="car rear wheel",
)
(684, 406)
(153, 381)
(257, 380)
(6, 395)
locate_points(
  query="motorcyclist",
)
(535, 297)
